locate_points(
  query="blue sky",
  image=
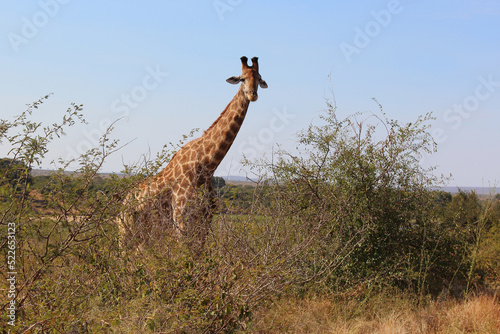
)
(163, 65)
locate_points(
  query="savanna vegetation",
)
(345, 234)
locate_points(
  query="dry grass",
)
(477, 315)
(396, 315)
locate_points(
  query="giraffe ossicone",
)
(181, 199)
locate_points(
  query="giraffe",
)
(181, 198)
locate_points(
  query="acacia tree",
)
(356, 191)
(39, 244)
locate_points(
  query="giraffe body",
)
(181, 199)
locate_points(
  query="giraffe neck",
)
(220, 135)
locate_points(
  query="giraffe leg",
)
(189, 224)
(121, 232)
(178, 221)
(178, 202)
(125, 234)
(204, 216)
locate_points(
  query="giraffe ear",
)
(234, 80)
(262, 84)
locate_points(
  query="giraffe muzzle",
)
(252, 96)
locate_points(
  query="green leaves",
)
(352, 208)
(363, 197)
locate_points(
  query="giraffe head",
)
(250, 78)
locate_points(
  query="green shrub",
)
(359, 189)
